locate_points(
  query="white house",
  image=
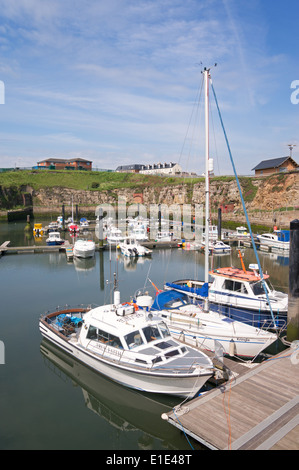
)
(161, 169)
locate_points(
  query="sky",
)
(119, 82)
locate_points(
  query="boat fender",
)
(232, 348)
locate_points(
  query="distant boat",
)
(73, 228)
(240, 233)
(54, 239)
(84, 223)
(84, 248)
(114, 235)
(131, 247)
(164, 236)
(217, 246)
(38, 230)
(53, 227)
(277, 239)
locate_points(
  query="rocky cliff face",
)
(277, 193)
(274, 193)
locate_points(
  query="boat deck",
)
(257, 410)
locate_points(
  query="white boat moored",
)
(189, 322)
(130, 347)
(278, 239)
(84, 248)
(54, 238)
(130, 247)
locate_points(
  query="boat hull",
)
(200, 335)
(84, 249)
(151, 381)
(55, 243)
(256, 317)
(84, 253)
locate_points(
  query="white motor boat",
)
(139, 233)
(190, 323)
(114, 235)
(213, 232)
(241, 233)
(53, 227)
(164, 236)
(130, 347)
(239, 294)
(278, 239)
(130, 247)
(54, 238)
(217, 246)
(84, 248)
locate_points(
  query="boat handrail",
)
(149, 365)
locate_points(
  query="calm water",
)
(49, 401)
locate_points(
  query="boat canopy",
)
(202, 291)
(169, 299)
(283, 235)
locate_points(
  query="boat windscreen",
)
(133, 339)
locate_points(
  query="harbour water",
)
(48, 400)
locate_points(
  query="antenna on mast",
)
(291, 146)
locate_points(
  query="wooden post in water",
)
(63, 216)
(219, 223)
(293, 310)
(159, 217)
(28, 226)
(101, 234)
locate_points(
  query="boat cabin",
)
(237, 280)
(117, 330)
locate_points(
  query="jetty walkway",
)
(257, 410)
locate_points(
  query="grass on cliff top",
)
(87, 180)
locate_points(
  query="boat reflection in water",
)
(84, 264)
(125, 409)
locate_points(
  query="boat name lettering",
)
(243, 339)
(125, 318)
(110, 350)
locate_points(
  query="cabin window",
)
(104, 337)
(92, 332)
(109, 338)
(133, 339)
(151, 333)
(258, 288)
(232, 285)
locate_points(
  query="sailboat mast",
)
(207, 185)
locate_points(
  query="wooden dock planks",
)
(68, 251)
(256, 410)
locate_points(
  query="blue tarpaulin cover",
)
(283, 235)
(203, 291)
(164, 299)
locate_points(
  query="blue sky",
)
(116, 81)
